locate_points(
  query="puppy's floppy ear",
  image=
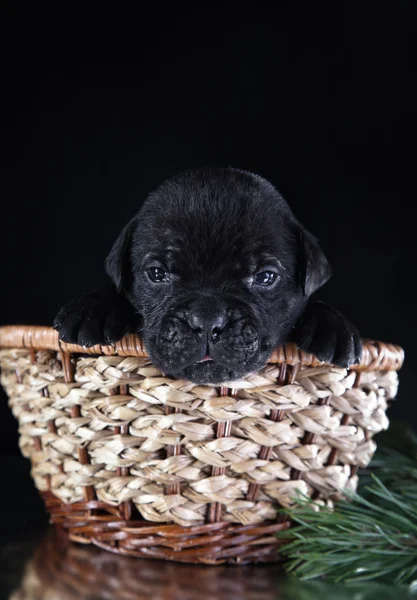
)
(118, 263)
(313, 265)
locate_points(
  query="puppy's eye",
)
(265, 278)
(157, 275)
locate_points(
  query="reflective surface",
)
(61, 570)
(67, 571)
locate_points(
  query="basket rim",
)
(377, 356)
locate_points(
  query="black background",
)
(96, 112)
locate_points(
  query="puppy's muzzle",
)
(208, 327)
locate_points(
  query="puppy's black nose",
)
(207, 315)
(212, 324)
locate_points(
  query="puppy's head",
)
(219, 269)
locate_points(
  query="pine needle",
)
(371, 535)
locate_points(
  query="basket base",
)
(91, 522)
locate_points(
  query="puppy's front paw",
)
(100, 317)
(326, 333)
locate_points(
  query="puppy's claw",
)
(99, 318)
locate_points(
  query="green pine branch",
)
(370, 536)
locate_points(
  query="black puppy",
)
(214, 272)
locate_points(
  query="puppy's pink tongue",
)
(205, 359)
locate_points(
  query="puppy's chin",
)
(213, 372)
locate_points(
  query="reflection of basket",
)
(141, 464)
(62, 571)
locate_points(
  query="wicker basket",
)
(144, 465)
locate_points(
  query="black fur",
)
(212, 231)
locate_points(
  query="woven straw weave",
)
(109, 432)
